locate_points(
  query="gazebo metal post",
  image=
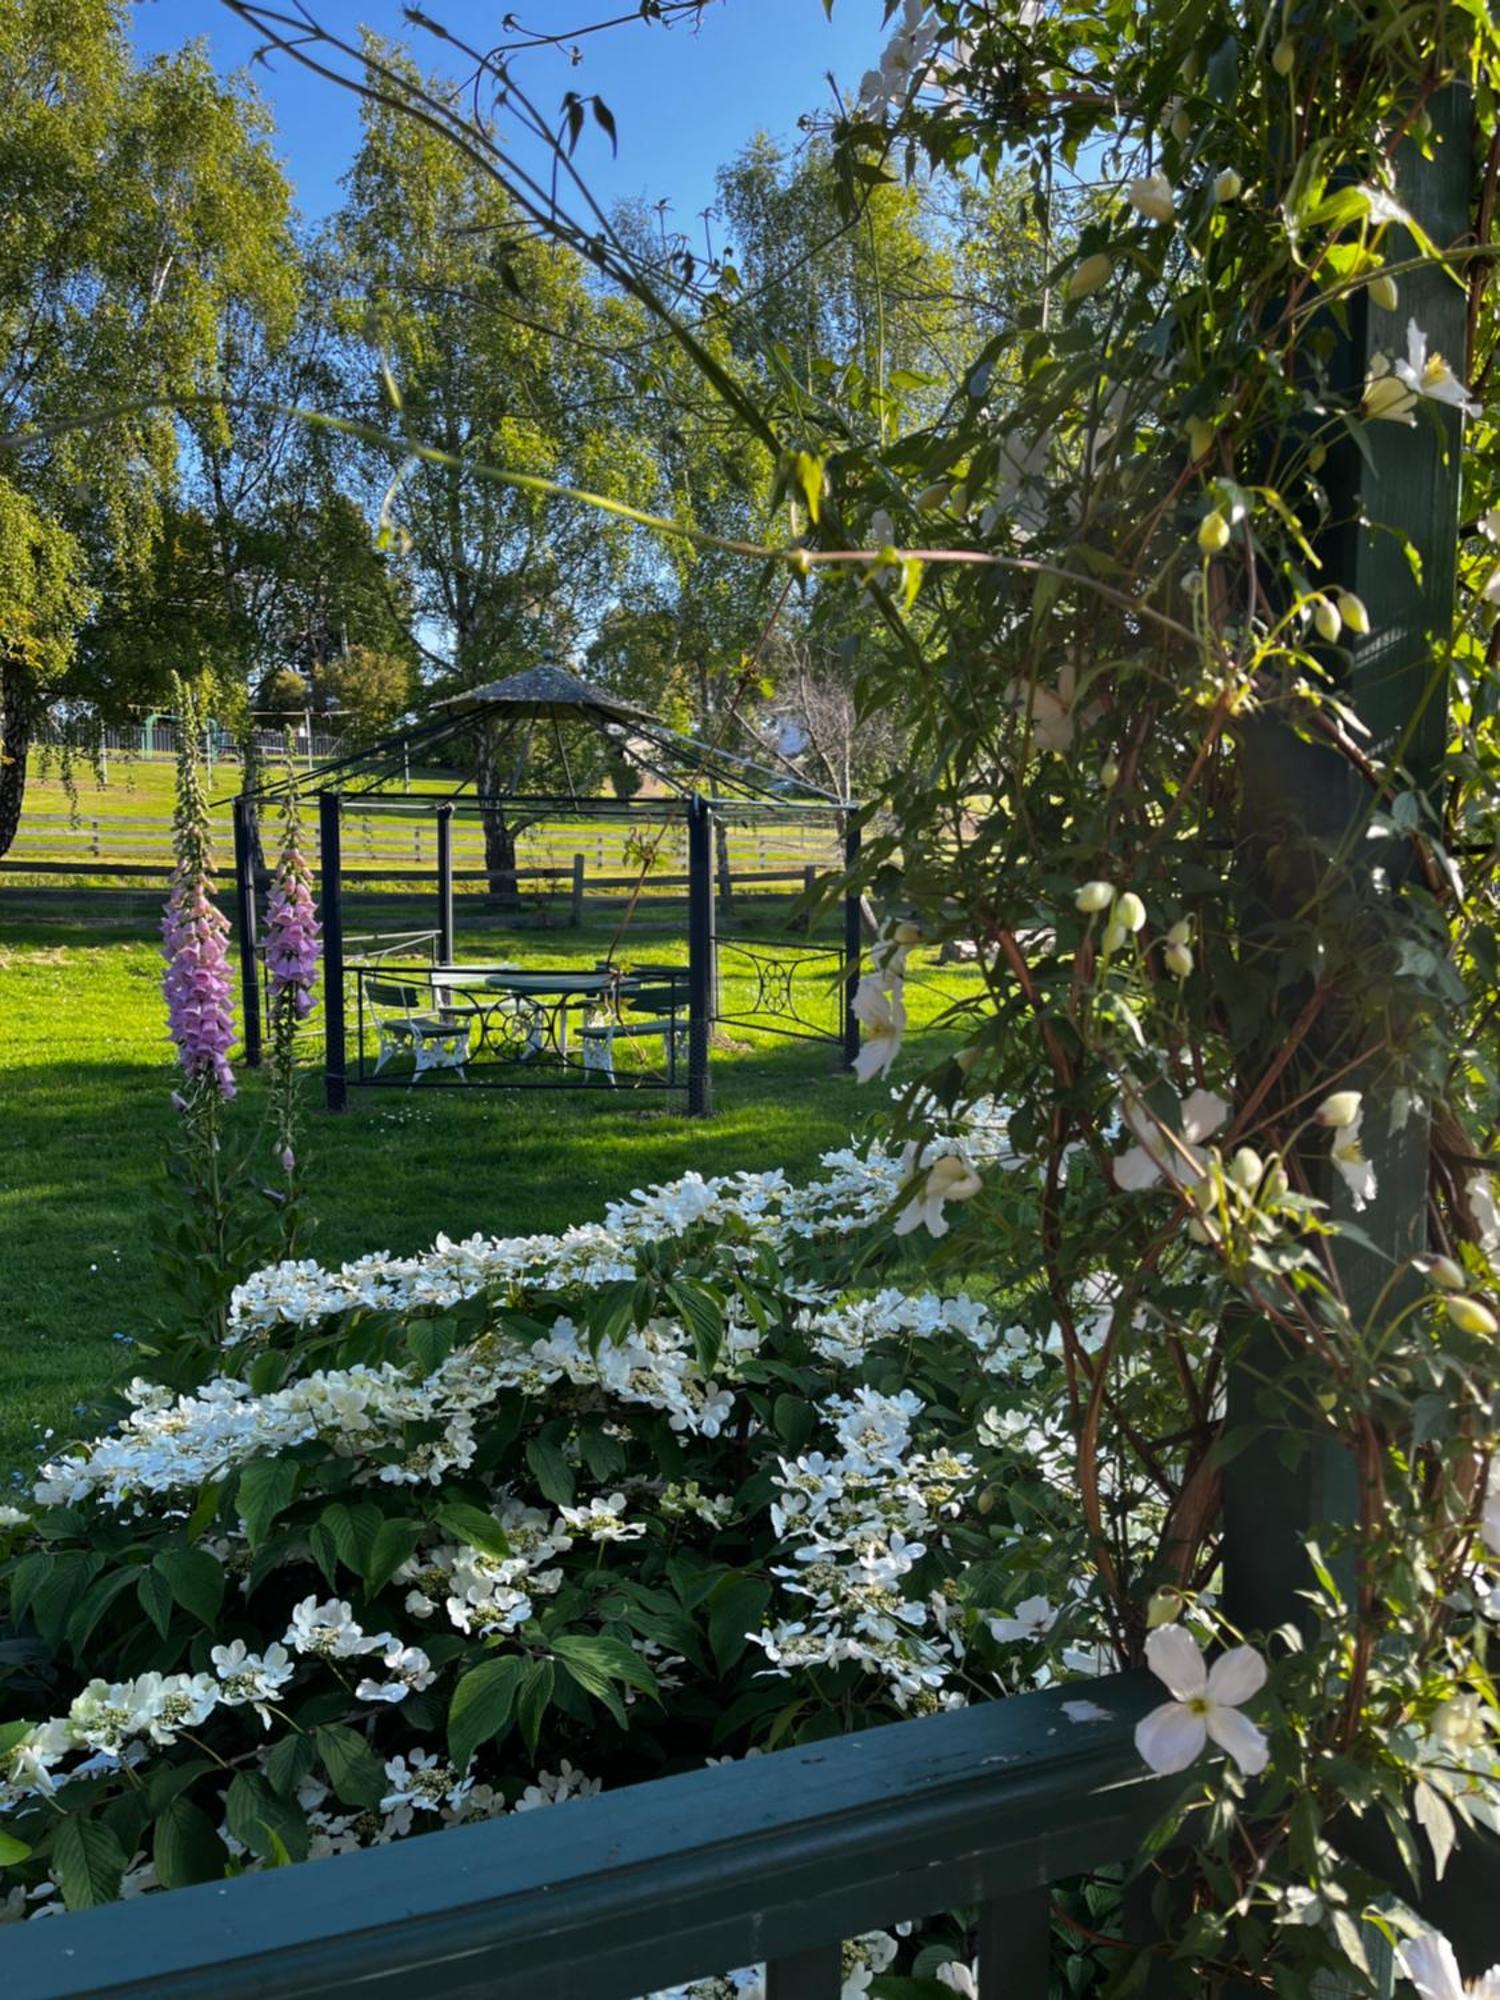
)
(853, 943)
(445, 883)
(335, 1087)
(701, 955)
(244, 910)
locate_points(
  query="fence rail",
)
(776, 1860)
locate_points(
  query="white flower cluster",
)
(857, 1526)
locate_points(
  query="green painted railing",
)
(775, 1860)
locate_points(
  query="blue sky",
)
(684, 101)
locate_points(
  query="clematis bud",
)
(1088, 276)
(1228, 186)
(1316, 457)
(1093, 897)
(1341, 1109)
(1469, 1316)
(1152, 197)
(1131, 911)
(1213, 533)
(1164, 1608)
(1181, 124)
(1353, 613)
(1446, 1274)
(1327, 620)
(1181, 932)
(1200, 437)
(931, 498)
(1178, 959)
(1284, 56)
(1387, 400)
(1383, 292)
(1188, 68)
(1109, 774)
(905, 933)
(1113, 937)
(1246, 1168)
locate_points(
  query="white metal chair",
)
(406, 1021)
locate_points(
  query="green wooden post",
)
(1305, 856)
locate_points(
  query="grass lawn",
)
(86, 1076)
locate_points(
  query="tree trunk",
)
(252, 773)
(16, 722)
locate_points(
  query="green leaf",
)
(736, 1609)
(95, 1601)
(66, 1579)
(12, 1733)
(155, 1594)
(272, 1827)
(809, 471)
(598, 1657)
(354, 1771)
(533, 1700)
(795, 1422)
(482, 1706)
(474, 1526)
(12, 1851)
(290, 1762)
(88, 1862)
(703, 1316)
(266, 1487)
(186, 1846)
(196, 1580)
(394, 1542)
(551, 1471)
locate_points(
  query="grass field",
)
(85, 1079)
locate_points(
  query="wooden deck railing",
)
(775, 1860)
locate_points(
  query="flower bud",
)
(288, 1159)
(1327, 619)
(1152, 197)
(1178, 959)
(1088, 276)
(1200, 437)
(1181, 125)
(1094, 896)
(1113, 937)
(1383, 292)
(1316, 457)
(1131, 911)
(1181, 932)
(1109, 774)
(1228, 186)
(1246, 1168)
(1353, 613)
(1165, 1607)
(1445, 1273)
(1284, 56)
(1469, 1316)
(905, 933)
(1188, 68)
(1340, 1109)
(1213, 533)
(932, 498)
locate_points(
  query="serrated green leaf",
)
(474, 1526)
(155, 1594)
(186, 1847)
(533, 1700)
(600, 1657)
(393, 1544)
(551, 1471)
(265, 1822)
(266, 1486)
(736, 1609)
(354, 1771)
(289, 1763)
(482, 1706)
(88, 1863)
(196, 1580)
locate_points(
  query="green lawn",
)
(86, 1075)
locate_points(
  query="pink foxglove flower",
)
(200, 1010)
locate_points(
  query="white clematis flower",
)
(1034, 1618)
(949, 1178)
(1205, 1703)
(1354, 1169)
(1143, 1165)
(1429, 374)
(1430, 1965)
(880, 1009)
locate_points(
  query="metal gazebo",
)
(511, 754)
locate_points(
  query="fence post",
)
(700, 955)
(853, 942)
(244, 909)
(97, 850)
(335, 1082)
(445, 882)
(576, 919)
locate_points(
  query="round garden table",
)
(522, 1014)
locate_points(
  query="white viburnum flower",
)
(949, 1178)
(1430, 1965)
(410, 1671)
(1206, 1702)
(331, 1631)
(256, 1678)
